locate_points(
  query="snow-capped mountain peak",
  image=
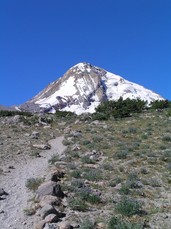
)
(83, 87)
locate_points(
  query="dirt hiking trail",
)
(12, 207)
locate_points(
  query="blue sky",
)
(41, 39)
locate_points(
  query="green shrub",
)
(132, 130)
(108, 166)
(76, 174)
(129, 207)
(87, 160)
(65, 114)
(120, 108)
(78, 204)
(66, 142)
(75, 154)
(29, 211)
(5, 113)
(168, 113)
(125, 189)
(87, 224)
(166, 138)
(93, 174)
(33, 183)
(86, 142)
(87, 195)
(169, 167)
(166, 156)
(132, 180)
(97, 139)
(53, 159)
(77, 183)
(144, 171)
(100, 116)
(154, 182)
(160, 104)
(114, 182)
(116, 223)
(122, 154)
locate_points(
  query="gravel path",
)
(11, 208)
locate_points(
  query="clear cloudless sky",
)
(41, 39)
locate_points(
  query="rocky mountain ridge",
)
(82, 88)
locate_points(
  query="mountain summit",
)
(83, 87)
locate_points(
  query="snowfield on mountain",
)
(83, 87)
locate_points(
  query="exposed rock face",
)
(82, 88)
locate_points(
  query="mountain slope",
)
(83, 87)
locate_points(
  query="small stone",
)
(47, 210)
(101, 225)
(77, 133)
(51, 218)
(51, 226)
(11, 167)
(19, 152)
(27, 134)
(42, 146)
(1, 170)
(2, 192)
(35, 135)
(48, 199)
(64, 225)
(40, 224)
(47, 127)
(75, 148)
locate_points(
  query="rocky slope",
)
(82, 88)
(113, 174)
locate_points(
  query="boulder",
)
(101, 225)
(51, 226)
(77, 133)
(35, 135)
(52, 200)
(40, 224)
(42, 146)
(64, 225)
(47, 210)
(51, 218)
(55, 175)
(2, 192)
(49, 188)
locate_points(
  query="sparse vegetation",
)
(33, 183)
(116, 223)
(129, 207)
(87, 224)
(29, 211)
(53, 159)
(115, 166)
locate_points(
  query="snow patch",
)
(67, 89)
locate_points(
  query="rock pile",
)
(49, 197)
